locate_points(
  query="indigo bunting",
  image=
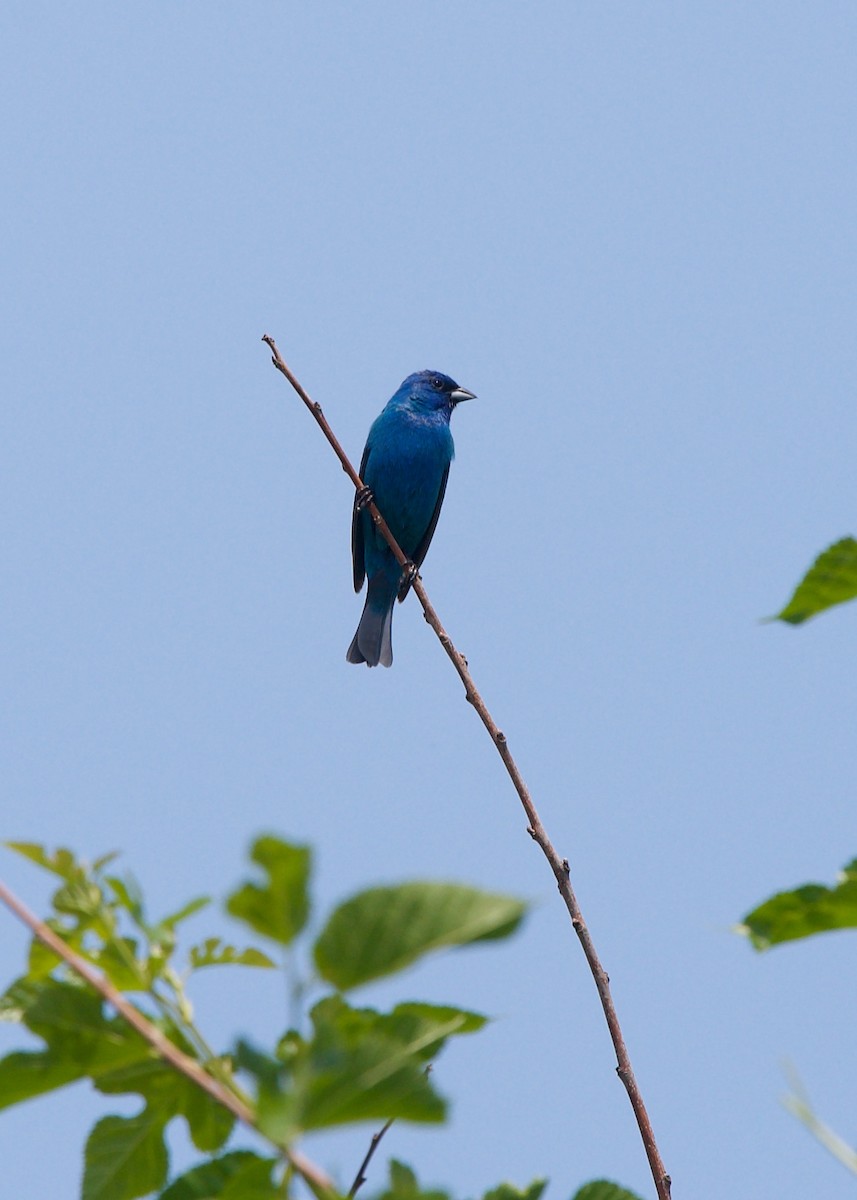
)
(405, 467)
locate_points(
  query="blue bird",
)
(405, 467)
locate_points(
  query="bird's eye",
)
(437, 383)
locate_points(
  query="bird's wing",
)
(425, 541)
(357, 558)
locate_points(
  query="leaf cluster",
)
(403, 1185)
(336, 1064)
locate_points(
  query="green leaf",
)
(62, 862)
(83, 898)
(119, 962)
(603, 1189)
(276, 1098)
(128, 895)
(187, 910)
(71, 1021)
(18, 998)
(807, 910)
(404, 1186)
(42, 961)
(210, 1124)
(215, 953)
(421, 1028)
(105, 859)
(81, 1041)
(252, 1182)
(125, 1158)
(365, 1065)
(266, 1070)
(358, 1065)
(385, 929)
(832, 579)
(507, 1191)
(279, 907)
(170, 1094)
(207, 1181)
(69, 1017)
(26, 1074)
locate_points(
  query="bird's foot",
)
(362, 497)
(410, 572)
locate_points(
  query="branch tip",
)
(535, 828)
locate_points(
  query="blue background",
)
(630, 228)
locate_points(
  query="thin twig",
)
(360, 1177)
(536, 829)
(159, 1042)
(317, 412)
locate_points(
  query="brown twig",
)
(159, 1042)
(535, 828)
(345, 462)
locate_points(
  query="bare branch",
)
(360, 1177)
(536, 829)
(161, 1044)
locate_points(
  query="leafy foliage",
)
(603, 1189)
(506, 1191)
(79, 1041)
(358, 1064)
(813, 908)
(344, 1064)
(832, 579)
(403, 1185)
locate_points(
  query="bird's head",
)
(433, 391)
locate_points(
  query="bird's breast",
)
(405, 470)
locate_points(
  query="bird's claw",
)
(410, 572)
(362, 497)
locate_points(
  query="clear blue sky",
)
(630, 228)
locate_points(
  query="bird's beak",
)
(460, 394)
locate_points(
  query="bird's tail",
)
(372, 643)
